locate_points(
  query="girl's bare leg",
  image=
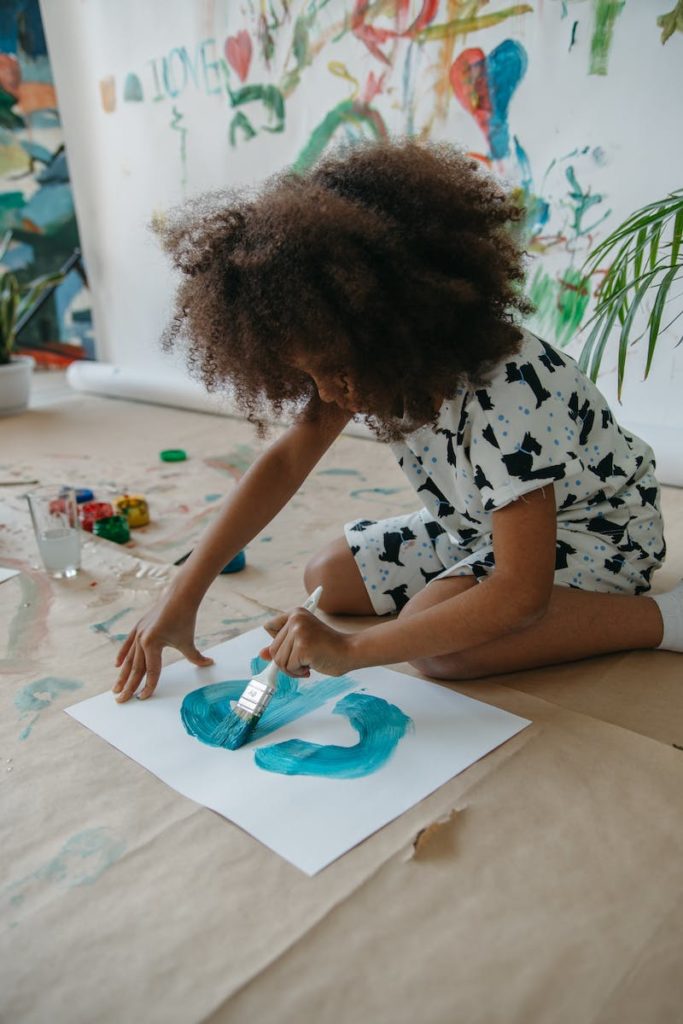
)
(578, 624)
(334, 567)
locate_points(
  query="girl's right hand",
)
(140, 654)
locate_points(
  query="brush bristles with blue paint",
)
(236, 728)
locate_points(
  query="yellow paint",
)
(134, 508)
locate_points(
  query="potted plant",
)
(16, 301)
(646, 253)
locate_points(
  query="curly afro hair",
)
(392, 263)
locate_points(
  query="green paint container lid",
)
(173, 455)
(114, 528)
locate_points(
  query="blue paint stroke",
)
(203, 710)
(380, 727)
(40, 694)
(105, 627)
(340, 472)
(376, 490)
(505, 66)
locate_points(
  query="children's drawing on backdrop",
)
(36, 201)
(405, 67)
(332, 760)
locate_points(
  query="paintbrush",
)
(236, 728)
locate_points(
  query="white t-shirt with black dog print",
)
(539, 421)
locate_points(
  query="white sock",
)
(671, 609)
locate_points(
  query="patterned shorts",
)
(397, 557)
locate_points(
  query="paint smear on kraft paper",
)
(380, 727)
(484, 86)
(28, 628)
(39, 695)
(203, 710)
(83, 858)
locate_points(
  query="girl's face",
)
(333, 386)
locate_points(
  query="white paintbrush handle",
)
(311, 602)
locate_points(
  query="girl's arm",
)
(261, 493)
(515, 596)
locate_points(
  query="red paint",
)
(470, 84)
(238, 53)
(374, 37)
(89, 511)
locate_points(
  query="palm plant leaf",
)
(644, 253)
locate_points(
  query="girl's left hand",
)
(303, 642)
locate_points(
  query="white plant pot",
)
(15, 384)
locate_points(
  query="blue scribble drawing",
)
(379, 724)
(380, 727)
(37, 696)
(105, 627)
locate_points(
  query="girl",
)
(386, 283)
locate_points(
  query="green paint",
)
(271, 98)
(37, 696)
(606, 14)
(178, 126)
(347, 113)
(463, 26)
(560, 303)
(81, 861)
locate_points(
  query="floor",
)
(554, 866)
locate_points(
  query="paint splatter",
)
(375, 490)
(81, 861)
(340, 472)
(380, 727)
(28, 630)
(105, 626)
(37, 696)
(204, 709)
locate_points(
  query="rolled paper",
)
(235, 565)
(91, 511)
(114, 528)
(134, 507)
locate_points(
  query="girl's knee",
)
(334, 569)
(451, 667)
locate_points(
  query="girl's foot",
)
(671, 609)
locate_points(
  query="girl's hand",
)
(140, 655)
(303, 642)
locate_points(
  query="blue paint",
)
(40, 694)
(380, 727)
(203, 710)
(376, 490)
(83, 858)
(105, 627)
(340, 472)
(506, 66)
(212, 497)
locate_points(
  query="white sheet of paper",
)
(308, 820)
(7, 574)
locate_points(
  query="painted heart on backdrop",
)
(238, 53)
(485, 85)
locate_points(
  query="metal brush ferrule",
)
(256, 697)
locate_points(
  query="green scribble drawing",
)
(473, 23)
(606, 14)
(560, 302)
(267, 95)
(349, 113)
(40, 694)
(671, 22)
